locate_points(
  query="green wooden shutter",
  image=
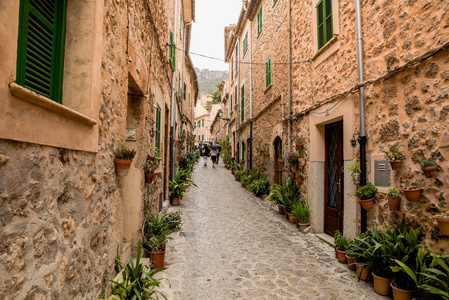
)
(328, 17)
(40, 54)
(245, 42)
(259, 20)
(202, 125)
(320, 18)
(158, 132)
(324, 18)
(242, 107)
(172, 50)
(243, 151)
(268, 72)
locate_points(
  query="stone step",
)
(325, 238)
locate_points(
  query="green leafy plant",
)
(239, 174)
(280, 157)
(123, 152)
(394, 154)
(428, 163)
(298, 175)
(353, 168)
(412, 187)
(366, 192)
(150, 166)
(394, 192)
(259, 187)
(135, 281)
(176, 188)
(340, 241)
(301, 211)
(284, 196)
(293, 158)
(301, 154)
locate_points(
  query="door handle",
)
(339, 185)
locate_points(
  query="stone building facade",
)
(64, 210)
(405, 67)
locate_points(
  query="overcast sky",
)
(208, 31)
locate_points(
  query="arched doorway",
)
(277, 168)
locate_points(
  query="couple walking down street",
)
(213, 152)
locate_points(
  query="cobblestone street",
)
(236, 247)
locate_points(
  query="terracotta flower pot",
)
(443, 223)
(394, 203)
(178, 158)
(412, 195)
(281, 210)
(298, 179)
(430, 171)
(299, 147)
(341, 256)
(356, 178)
(301, 162)
(149, 177)
(396, 164)
(336, 253)
(157, 259)
(291, 218)
(382, 285)
(363, 272)
(175, 201)
(303, 226)
(367, 204)
(286, 214)
(351, 262)
(399, 294)
(294, 168)
(122, 166)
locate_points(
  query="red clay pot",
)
(443, 223)
(299, 147)
(281, 210)
(303, 226)
(351, 262)
(175, 201)
(157, 259)
(363, 272)
(122, 166)
(430, 171)
(367, 204)
(149, 177)
(341, 256)
(382, 285)
(294, 168)
(394, 203)
(298, 179)
(291, 218)
(399, 294)
(396, 164)
(412, 195)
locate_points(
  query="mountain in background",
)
(207, 79)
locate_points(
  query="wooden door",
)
(333, 188)
(277, 166)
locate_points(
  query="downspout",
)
(250, 146)
(362, 134)
(239, 103)
(173, 106)
(290, 112)
(183, 72)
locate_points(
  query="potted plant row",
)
(123, 158)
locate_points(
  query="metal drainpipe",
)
(238, 109)
(290, 112)
(362, 135)
(250, 146)
(173, 107)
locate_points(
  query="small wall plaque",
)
(382, 173)
(131, 134)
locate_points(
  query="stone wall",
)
(61, 210)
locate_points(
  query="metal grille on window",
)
(333, 172)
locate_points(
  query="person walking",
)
(213, 156)
(206, 154)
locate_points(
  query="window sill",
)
(44, 102)
(328, 49)
(268, 88)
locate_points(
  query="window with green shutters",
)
(202, 125)
(40, 54)
(194, 125)
(245, 42)
(243, 151)
(259, 20)
(268, 72)
(242, 106)
(324, 17)
(157, 138)
(172, 50)
(202, 137)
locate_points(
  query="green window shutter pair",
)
(172, 50)
(242, 107)
(324, 18)
(259, 20)
(40, 54)
(158, 132)
(245, 42)
(202, 125)
(268, 72)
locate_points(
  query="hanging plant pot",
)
(356, 178)
(367, 204)
(341, 255)
(298, 179)
(178, 158)
(294, 168)
(157, 259)
(303, 226)
(299, 147)
(351, 262)
(399, 294)
(382, 285)
(412, 194)
(301, 162)
(443, 223)
(149, 177)
(122, 166)
(291, 175)
(363, 272)
(396, 164)
(175, 201)
(430, 171)
(394, 203)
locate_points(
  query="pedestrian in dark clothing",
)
(213, 156)
(206, 154)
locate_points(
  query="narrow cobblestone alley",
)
(236, 247)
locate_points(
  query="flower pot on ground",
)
(148, 168)
(366, 195)
(176, 188)
(123, 159)
(443, 223)
(395, 156)
(341, 242)
(174, 201)
(281, 210)
(399, 294)
(429, 167)
(157, 259)
(412, 193)
(394, 199)
(382, 285)
(302, 214)
(291, 218)
(341, 256)
(351, 262)
(354, 171)
(303, 226)
(363, 272)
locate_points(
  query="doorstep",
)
(325, 238)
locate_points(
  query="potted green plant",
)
(298, 178)
(302, 214)
(341, 242)
(394, 199)
(354, 171)
(259, 187)
(148, 168)
(123, 159)
(293, 161)
(443, 223)
(299, 142)
(412, 193)
(429, 167)
(395, 156)
(366, 195)
(176, 189)
(276, 197)
(349, 256)
(302, 158)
